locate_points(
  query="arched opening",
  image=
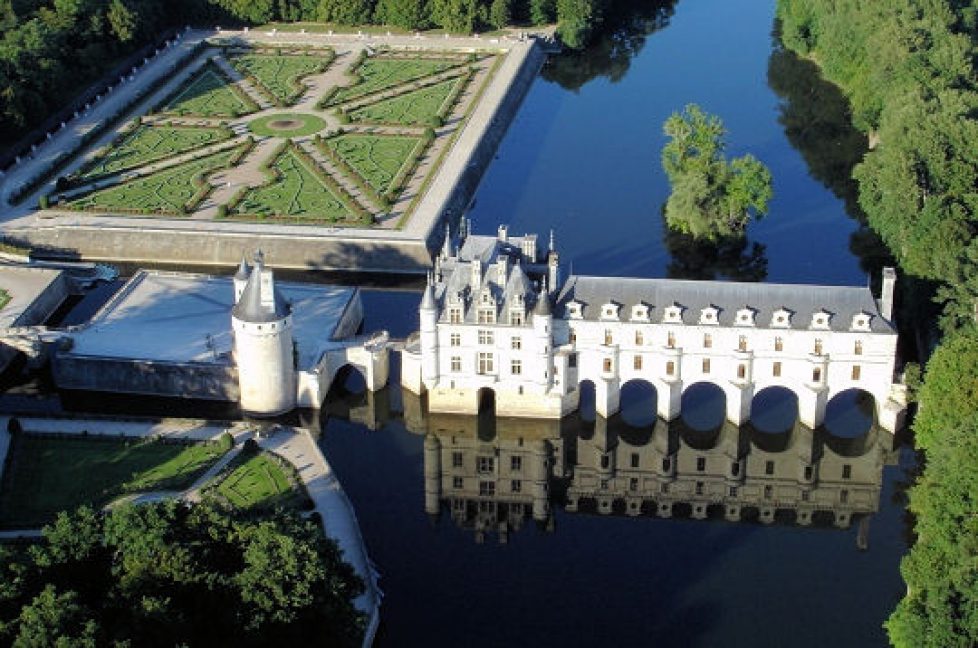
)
(704, 406)
(850, 413)
(638, 403)
(487, 414)
(587, 405)
(774, 410)
(349, 380)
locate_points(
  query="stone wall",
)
(181, 380)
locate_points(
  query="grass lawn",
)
(209, 94)
(377, 158)
(280, 74)
(415, 108)
(295, 192)
(166, 191)
(51, 474)
(379, 73)
(257, 481)
(149, 143)
(287, 125)
(4, 297)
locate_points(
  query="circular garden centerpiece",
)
(287, 125)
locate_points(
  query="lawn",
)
(295, 191)
(50, 474)
(209, 94)
(149, 143)
(376, 158)
(415, 108)
(376, 74)
(279, 75)
(4, 297)
(257, 482)
(169, 191)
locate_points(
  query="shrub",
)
(43, 202)
(222, 211)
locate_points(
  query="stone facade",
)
(497, 323)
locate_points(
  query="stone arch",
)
(774, 409)
(348, 379)
(850, 413)
(638, 402)
(704, 405)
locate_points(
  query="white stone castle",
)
(499, 325)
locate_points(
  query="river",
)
(582, 157)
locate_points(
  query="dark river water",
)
(582, 157)
(579, 551)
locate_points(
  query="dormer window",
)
(640, 313)
(673, 314)
(455, 315)
(516, 318)
(860, 321)
(820, 320)
(609, 312)
(575, 310)
(710, 315)
(781, 318)
(745, 317)
(486, 297)
(487, 316)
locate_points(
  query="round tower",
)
(263, 346)
(543, 330)
(429, 336)
(241, 279)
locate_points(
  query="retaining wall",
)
(182, 380)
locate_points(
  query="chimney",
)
(502, 269)
(476, 279)
(886, 294)
(529, 248)
(503, 234)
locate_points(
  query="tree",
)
(543, 12)
(500, 13)
(711, 198)
(575, 21)
(459, 16)
(122, 21)
(345, 12)
(406, 14)
(53, 619)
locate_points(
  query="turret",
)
(543, 330)
(553, 265)
(429, 335)
(886, 294)
(263, 346)
(241, 279)
(447, 249)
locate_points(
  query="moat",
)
(582, 156)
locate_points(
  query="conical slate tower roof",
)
(251, 307)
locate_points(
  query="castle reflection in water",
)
(494, 475)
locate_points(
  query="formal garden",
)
(258, 481)
(302, 136)
(49, 473)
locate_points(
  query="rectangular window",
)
(639, 338)
(818, 347)
(816, 374)
(516, 343)
(485, 464)
(456, 364)
(572, 361)
(633, 484)
(742, 343)
(635, 460)
(487, 488)
(486, 363)
(846, 471)
(856, 372)
(732, 491)
(699, 488)
(778, 344)
(516, 464)
(516, 367)
(670, 368)
(777, 369)
(573, 337)
(486, 337)
(769, 468)
(671, 340)
(607, 365)
(707, 341)
(843, 496)
(456, 459)
(516, 486)
(458, 483)
(805, 496)
(858, 350)
(455, 315)
(455, 339)
(608, 339)
(768, 492)
(516, 318)
(741, 371)
(637, 362)
(664, 488)
(487, 316)
(700, 464)
(604, 484)
(706, 365)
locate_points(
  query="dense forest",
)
(907, 69)
(50, 50)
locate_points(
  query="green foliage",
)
(543, 12)
(500, 13)
(458, 16)
(380, 73)
(280, 75)
(345, 12)
(415, 108)
(576, 19)
(711, 198)
(174, 574)
(151, 143)
(406, 14)
(209, 93)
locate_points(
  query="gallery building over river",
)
(498, 324)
